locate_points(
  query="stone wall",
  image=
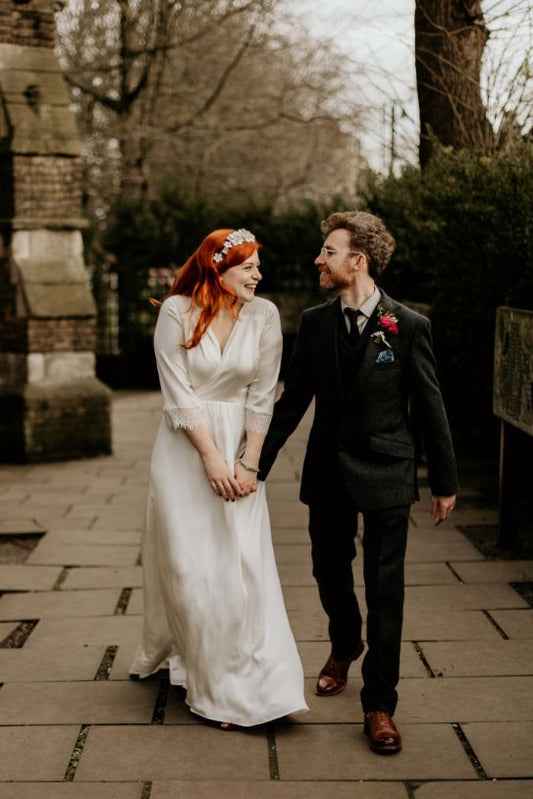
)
(51, 404)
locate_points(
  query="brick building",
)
(51, 404)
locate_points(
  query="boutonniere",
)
(387, 326)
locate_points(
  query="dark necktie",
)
(354, 333)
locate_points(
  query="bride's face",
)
(243, 278)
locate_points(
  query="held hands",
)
(246, 478)
(227, 484)
(221, 478)
(441, 508)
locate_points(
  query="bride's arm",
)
(182, 409)
(220, 475)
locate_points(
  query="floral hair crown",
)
(235, 238)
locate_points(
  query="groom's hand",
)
(441, 508)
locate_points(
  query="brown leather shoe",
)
(334, 676)
(383, 735)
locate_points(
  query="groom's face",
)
(336, 261)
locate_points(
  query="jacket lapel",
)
(368, 360)
(330, 339)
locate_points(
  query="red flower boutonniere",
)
(388, 326)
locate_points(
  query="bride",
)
(214, 611)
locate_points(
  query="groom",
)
(368, 363)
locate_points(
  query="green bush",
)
(464, 233)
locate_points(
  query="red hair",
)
(199, 278)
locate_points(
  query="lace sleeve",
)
(185, 418)
(258, 422)
(182, 409)
(262, 390)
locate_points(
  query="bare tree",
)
(208, 89)
(450, 37)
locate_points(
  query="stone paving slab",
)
(128, 497)
(340, 752)
(297, 597)
(516, 623)
(295, 574)
(177, 711)
(88, 631)
(27, 578)
(118, 520)
(123, 660)
(136, 603)
(54, 497)
(464, 699)
(504, 749)
(19, 525)
(294, 553)
(63, 522)
(426, 573)
(48, 552)
(70, 790)
(464, 597)
(6, 629)
(283, 490)
(35, 753)
(429, 624)
(103, 577)
(41, 604)
(480, 789)
(480, 658)
(281, 502)
(275, 790)
(424, 551)
(461, 516)
(92, 537)
(290, 535)
(429, 574)
(89, 509)
(58, 664)
(288, 519)
(97, 702)
(151, 753)
(309, 625)
(492, 571)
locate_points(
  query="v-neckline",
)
(222, 350)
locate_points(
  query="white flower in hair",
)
(234, 238)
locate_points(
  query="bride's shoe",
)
(227, 725)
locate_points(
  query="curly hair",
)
(367, 234)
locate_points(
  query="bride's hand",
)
(221, 478)
(246, 479)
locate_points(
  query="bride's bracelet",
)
(245, 466)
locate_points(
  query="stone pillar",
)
(52, 407)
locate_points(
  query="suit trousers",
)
(332, 528)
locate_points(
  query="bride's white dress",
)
(214, 610)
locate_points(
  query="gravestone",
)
(51, 404)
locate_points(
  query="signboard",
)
(513, 368)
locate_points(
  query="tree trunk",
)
(450, 36)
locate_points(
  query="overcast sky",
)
(380, 36)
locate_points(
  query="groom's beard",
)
(333, 281)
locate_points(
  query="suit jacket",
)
(362, 432)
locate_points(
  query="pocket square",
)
(385, 356)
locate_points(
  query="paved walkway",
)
(75, 726)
